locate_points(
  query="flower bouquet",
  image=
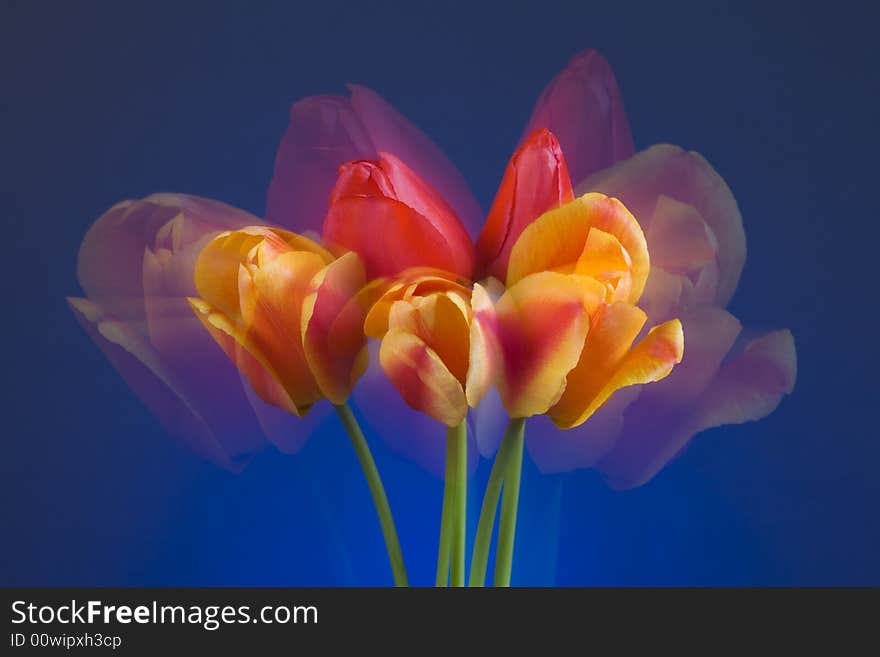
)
(585, 311)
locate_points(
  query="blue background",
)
(105, 101)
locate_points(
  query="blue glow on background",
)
(105, 101)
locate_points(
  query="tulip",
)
(571, 267)
(327, 131)
(288, 313)
(136, 267)
(536, 180)
(394, 220)
(436, 350)
(567, 321)
(565, 330)
(694, 233)
(434, 343)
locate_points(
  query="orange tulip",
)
(286, 311)
(435, 348)
(566, 325)
(394, 220)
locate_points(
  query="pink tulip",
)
(136, 268)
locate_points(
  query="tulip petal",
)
(483, 357)
(392, 133)
(413, 435)
(557, 239)
(381, 294)
(217, 270)
(536, 180)
(612, 331)
(145, 370)
(390, 178)
(246, 356)
(388, 235)
(709, 334)
(421, 377)
(212, 384)
(748, 387)
(665, 295)
(583, 107)
(109, 265)
(678, 238)
(605, 259)
(410, 189)
(582, 446)
(332, 327)
(650, 360)
(324, 132)
(277, 291)
(441, 323)
(541, 326)
(751, 385)
(665, 170)
(490, 420)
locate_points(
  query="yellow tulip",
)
(287, 312)
(566, 325)
(434, 345)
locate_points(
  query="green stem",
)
(480, 558)
(457, 436)
(509, 503)
(380, 499)
(445, 545)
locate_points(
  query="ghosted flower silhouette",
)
(136, 267)
(694, 233)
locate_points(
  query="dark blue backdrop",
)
(104, 101)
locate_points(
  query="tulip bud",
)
(434, 345)
(394, 220)
(535, 181)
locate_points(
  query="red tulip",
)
(327, 131)
(385, 212)
(535, 181)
